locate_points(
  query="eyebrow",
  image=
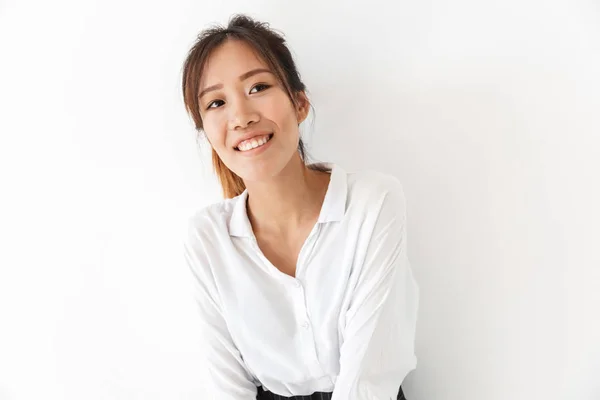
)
(242, 77)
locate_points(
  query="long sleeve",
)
(378, 327)
(230, 379)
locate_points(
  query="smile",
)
(251, 144)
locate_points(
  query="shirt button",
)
(297, 283)
(305, 325)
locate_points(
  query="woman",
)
(300, 273)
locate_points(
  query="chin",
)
(256, 170)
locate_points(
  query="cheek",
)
(281, 111)
(215, 134)
(218, 146)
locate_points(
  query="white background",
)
(488, 112)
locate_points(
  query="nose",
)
(242, 114)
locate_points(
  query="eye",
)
(264, 86)
(210, 105)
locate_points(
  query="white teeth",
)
(253, 143)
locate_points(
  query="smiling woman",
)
(240, 84)
(300, 274)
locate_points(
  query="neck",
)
(287, 200)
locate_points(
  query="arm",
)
(230, 378)
(377, 349)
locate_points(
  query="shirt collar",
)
(333, 208)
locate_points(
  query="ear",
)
(303, 107)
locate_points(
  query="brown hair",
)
(270, 46)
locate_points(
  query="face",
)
(240, 99)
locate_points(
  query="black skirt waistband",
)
(266, 395)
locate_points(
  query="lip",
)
(255, 151)
(250, 135)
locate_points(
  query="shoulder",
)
(206, 235)
(207, 225)
(372, 187)
(203, 218)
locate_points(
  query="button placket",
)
(299, 302)
(306, 333)
(307, 247)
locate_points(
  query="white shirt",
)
(345, 324)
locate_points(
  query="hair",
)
(270, 46)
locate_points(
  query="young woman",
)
(300, 273)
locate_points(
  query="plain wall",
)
(488, 112)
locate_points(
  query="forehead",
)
(229, 61)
